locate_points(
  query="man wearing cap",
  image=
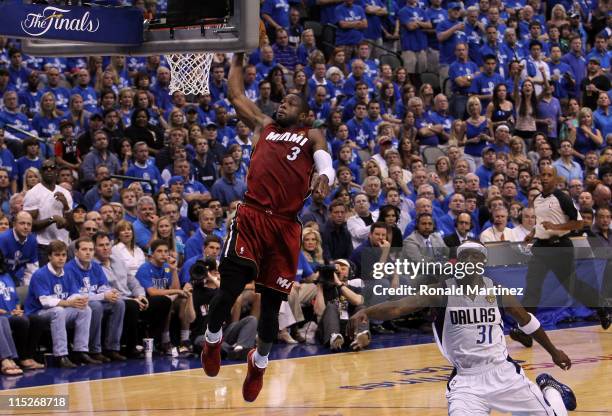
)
(594, 83)
(450, 32)
(66, 152)
(335, 302)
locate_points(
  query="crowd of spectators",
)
(112, 189)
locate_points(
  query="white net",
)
(189, 72)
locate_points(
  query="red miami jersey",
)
(280, 170)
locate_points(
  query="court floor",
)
(406, 380)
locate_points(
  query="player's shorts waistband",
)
(480, 369)
(255, 205)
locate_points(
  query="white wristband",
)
(531, 326)
(324, 165)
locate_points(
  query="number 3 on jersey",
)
(295, 152)
(482, 333)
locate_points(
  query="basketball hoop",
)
(189, 72)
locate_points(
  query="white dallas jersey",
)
(470, 333)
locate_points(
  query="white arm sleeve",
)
(324, 165)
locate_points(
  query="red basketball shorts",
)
(268, 242)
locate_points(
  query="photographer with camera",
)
(338, 298)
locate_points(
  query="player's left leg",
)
(267, 329)
(512, 392)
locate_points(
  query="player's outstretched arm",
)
(246, 109)
(391, 310)
(323, 162)
(531, 326)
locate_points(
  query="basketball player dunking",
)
(469, 332)
(264, 239)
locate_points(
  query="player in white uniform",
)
(469, 332)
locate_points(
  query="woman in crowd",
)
(389, 103)
(125, 248)
(500, 110)
(390, 214)
(426, 94)
(517, 152)
(276, 77)
(338, 59)
(125, 154)
(587, 136)
(144, 99)
(46, 121)
(527, 106)
(300, 84)
(372, 168)
(126, 106)
(31, 178)
(141, 129)
(164, 230)
(77, 114)
(443, 170)
(477, 130)
(312, 247)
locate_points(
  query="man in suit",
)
(463, 225)
(425, 243)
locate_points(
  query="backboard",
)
(189, 26)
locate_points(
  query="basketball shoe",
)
(254, 379)
(569, 398)
(210, 357)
